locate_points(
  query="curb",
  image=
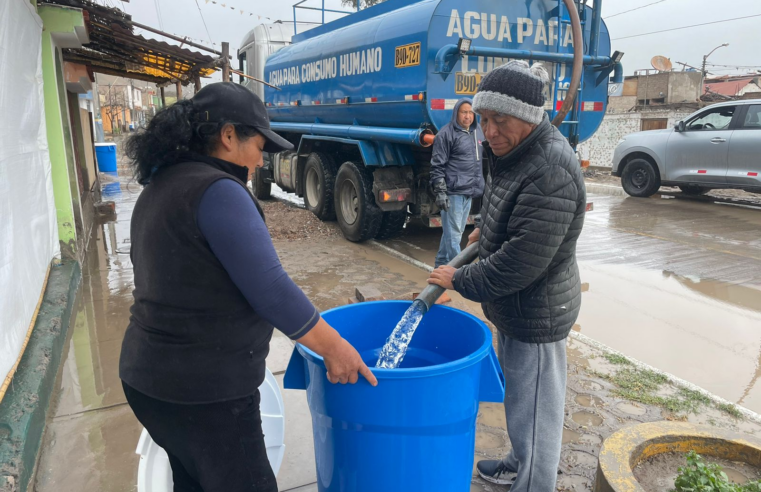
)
(679, 382)
(603, 189)
(24, 408)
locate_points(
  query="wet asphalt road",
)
(675, 283)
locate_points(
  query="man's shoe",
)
(494, 471)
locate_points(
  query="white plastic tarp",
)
(28, 229)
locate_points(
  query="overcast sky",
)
(688, 45)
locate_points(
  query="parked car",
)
(716, 147)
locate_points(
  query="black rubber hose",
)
(430, 294)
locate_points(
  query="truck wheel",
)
(358, 215)
(261, 189)
(694, 190)
(392, 224)
(319, 182)
(640, 179)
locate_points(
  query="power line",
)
(204, 22)
(734, 66)
(158, 12)
(687, 27)
(632, 10)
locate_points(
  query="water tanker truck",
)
(362, 97)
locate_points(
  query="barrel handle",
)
(492, 388)
(296, 376)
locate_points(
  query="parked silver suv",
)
(716, 147)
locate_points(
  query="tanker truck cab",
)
(362, 97)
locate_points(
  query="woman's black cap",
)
(227, 101)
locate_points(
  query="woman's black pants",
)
(213, 447)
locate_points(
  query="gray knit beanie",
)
(514, 89)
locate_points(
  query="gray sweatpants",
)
(535, 379)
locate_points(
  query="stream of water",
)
(394, 350)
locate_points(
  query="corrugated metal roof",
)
(115, 49)
(730, 87)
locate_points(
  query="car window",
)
(753, 118)
(715, 119)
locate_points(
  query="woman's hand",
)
(443, 276)
(342, 361)
(345, 365)
(474, 237)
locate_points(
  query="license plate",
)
(407, 55)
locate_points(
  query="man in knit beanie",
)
(527, 279)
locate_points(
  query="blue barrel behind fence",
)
(416, 430)
(106, 154)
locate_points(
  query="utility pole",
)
(225, 61)
(705, 58)
(178, 84)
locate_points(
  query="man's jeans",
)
(453, 224)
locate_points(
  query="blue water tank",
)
(377, 67)
(417, 429)
(106, 156)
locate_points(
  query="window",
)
(714, 119)
(753, 118)
(243, 67)
(654, 124)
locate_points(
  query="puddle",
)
(589, 401)
(590, 385)
(486, 440)
(631, 409)
(587, 419)
(590, 440)
(574, 482)
(570, 437)
(654, 309)
(492, 415)
(580, 458)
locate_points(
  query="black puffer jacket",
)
(532, 215)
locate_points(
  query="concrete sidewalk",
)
(92, 435)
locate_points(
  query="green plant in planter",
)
(699, 476)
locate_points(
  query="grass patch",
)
(699, 476)
(641, 386)
(618, 360)
(730, 409)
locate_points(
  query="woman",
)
(208, 289)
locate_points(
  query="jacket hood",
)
(456, 110)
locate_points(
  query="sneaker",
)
(495, 471)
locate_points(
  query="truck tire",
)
(392, 224)
(694, 190)
(260, 189)
(319, 184)
(358, 216)
(640, 179)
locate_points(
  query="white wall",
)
(599, 149)
(28, 228)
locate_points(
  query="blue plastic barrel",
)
(417, 429)
(106, 154)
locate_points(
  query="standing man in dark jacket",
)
(527, 279)
(456, 176)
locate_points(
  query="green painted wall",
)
(65, 189)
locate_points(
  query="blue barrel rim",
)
(416, 372)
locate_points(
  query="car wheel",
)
(640, 179)
(694, 190)
(261, 189)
